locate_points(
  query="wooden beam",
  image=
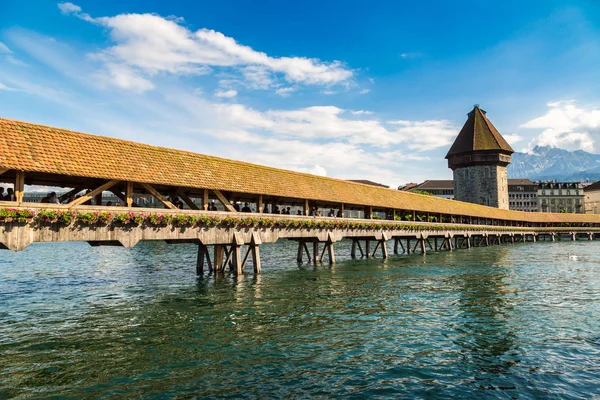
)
(19, 186)
(259, 204)
(306, 250)
(306, 209)
(158, 196)
(224, 201)
(205, 200)
(186, 199)
(71, 193)
(129, 194)
(121, 197)
(90, 195)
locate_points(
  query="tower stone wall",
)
(482, 184)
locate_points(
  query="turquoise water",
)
(517, 321)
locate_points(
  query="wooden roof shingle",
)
(478, 134)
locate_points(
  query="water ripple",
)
(499, 322)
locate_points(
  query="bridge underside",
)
(234, 242)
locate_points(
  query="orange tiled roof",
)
(37, 148)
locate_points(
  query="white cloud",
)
(364, 91)
(73, 9)
(512, 138)
(150, 44)
(4, 48)
(226, 93)
(425, 135)
(4, 87)
(69, 8)
(361, 112)
(567, 126)
(409, 55)
(318, 170)
(285, 91)
(123, 77)
(14, 60)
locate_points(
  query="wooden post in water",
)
(330, 252)
(368, 248)
(202, 255)
(353, 249)
(236, 254)
(384, 251)
(300, 250)
(200, 259)
(255, 248)
(219, 250)
(423, 247)
(315, 252)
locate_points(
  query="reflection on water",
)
(488, 322)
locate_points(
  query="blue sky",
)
(356, 90)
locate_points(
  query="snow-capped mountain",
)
(547, 163)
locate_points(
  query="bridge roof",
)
(68, 155)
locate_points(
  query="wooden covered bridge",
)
(89, 165)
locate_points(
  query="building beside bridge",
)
(522, 193)
(592, 198)
(561, 197)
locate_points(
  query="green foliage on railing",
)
(104, 218)
(63, 217)
(16, 214)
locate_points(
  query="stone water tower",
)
(478, 158)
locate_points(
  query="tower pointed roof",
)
(479, 134)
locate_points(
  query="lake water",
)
(499, 322)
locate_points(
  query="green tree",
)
(423, 192)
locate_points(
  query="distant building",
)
(592, 198)
(367, 182)
(438, 188)
(478, 159)
(522, 193)
(561, 197)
